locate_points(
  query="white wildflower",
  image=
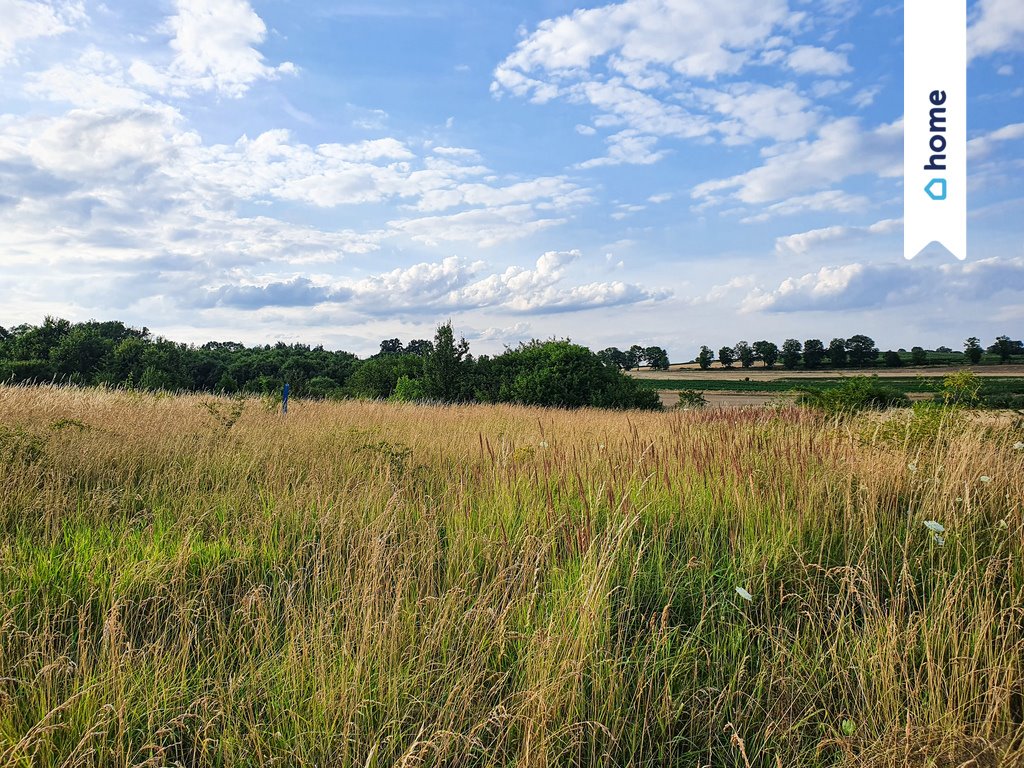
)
(985, 479)
(939, 540)
(912, 466)
(543, 443)
(744, 594)
(934, 526)
(1018, 446)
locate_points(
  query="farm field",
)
(692, 371)
(201, 581)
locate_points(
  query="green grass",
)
(371, 584)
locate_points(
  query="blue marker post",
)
(284, 398)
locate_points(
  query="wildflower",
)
(912, 466)
(1003, 525)
(939, 540)
(985, 479)
(744, 594)
(1018, 446)
(934, 526)
(543, 443)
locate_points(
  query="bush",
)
(691, 398)
(859, 393)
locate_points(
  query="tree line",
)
(552, 373)
(858, 351)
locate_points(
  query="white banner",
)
(935, 125)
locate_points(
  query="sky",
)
(670, 172)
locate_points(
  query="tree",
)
(444, 371)
(918, 356)
(1006, 348)
(705, 358)
(766, 352)
(790, 354)
(892, 359)
(391, 347)
(814, 353)
(837, 353)
(419, 347)
(634, 357)
(744, 353)
(566, 375)
(973, 350)
(657, 358)
(861, 350)
(943, 350)
(726, 357)
(614, 357)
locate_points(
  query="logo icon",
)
(936, 189)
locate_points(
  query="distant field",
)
(199, 581)
(992, 385)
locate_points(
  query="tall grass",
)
(185, 580)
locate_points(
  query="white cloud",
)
(812, 60)
(998, 25)
(826, 200)
(433, 287)
(805, 242)
(627, 147)
(27, 20)
(636, 63)
(213, 43)
(841, 150)
(755, 111)
(983, 145)
(860, 285)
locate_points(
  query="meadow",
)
(200, 581)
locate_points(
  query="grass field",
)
(202, 582)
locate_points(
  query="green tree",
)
(1005, 347)
(634, 356)
(892, 359)
(814, 353)
(973, 350)
(767, 352)
(918, 356)
(614, 357)
(861, 350)
(837, 353)
(391, 347)
(705, 358)
(421, 347)
(744, 353)
(444, 369)
(726, 356)
(657, 358)
(790, 354)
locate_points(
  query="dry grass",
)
(183, 581)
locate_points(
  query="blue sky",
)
(670, 172)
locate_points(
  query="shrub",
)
(859, 393)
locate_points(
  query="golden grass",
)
(194, 581)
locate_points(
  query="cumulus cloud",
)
(214, 48)
(998, 25)
(805, 242)
(812, 60)
(27, 20)
(432, 287)
(842, 149)
(862, 286)
(656, 69)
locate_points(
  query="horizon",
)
(336, 174)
